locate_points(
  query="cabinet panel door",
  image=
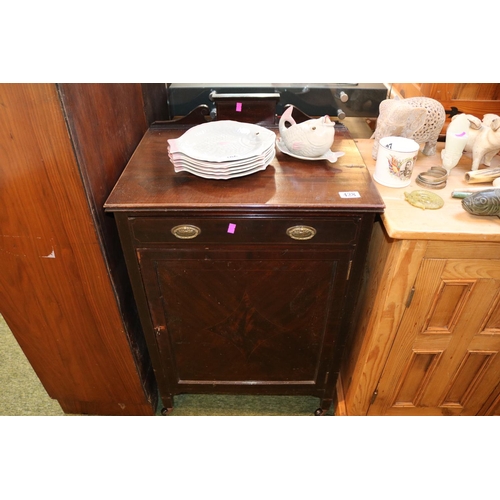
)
(251, 318)
(445, 357)
(492, 405)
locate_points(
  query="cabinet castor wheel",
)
(319, 412)
(166, 411)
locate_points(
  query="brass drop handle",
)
(301, 232)
(185, 231)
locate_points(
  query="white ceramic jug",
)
(309, 139)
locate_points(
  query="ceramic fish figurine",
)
(311, 138)
(485, 202)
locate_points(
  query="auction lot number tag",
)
(349, 194)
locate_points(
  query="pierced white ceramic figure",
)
(417, 118)
(309, 139)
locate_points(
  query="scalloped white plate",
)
(179, 159)
(211, 174)
(222, 141)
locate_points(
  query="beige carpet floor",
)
(22, 393)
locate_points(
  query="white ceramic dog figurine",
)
(484, 139)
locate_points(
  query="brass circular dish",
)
(424, 199)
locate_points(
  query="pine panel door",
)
(445, 359)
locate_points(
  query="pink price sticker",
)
(231, 228)
(238, 107)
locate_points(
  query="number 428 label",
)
(349, 194)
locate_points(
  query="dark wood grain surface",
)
(150, 182)
(56, 293)
(106, 123)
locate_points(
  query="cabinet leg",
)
(325, 405)
(168, 404)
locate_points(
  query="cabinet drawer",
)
(336, 231)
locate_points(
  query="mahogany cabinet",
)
(247, 305)
(64, 289)
(428, 337)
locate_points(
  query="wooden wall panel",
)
(106, 123)
(55, 291)
(471, 98)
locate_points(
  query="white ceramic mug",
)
(395, 159)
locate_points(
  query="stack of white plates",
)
(223, 149)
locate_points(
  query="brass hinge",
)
(349, 270)
(374, 396)
(410, 297)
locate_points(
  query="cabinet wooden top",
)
(451, 222)
(149, 182)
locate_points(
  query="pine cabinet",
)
(445, 355)
(428, 337)
(441, 345)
